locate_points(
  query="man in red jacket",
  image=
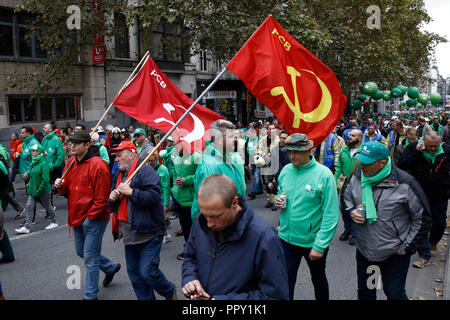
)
(87, 185)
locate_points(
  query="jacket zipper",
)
(213, 256)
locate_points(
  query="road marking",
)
(27, 235)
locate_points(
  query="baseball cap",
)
(37, 147)
(125, 145)
(372, 151)
(80, 136)
(57, 131)
(139, 131)
(298, 142)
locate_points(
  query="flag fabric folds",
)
(150, 97)
(301, 91)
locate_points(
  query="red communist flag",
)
(152, 98)
(301, 91)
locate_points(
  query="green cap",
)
(139, 131)
(298, 142)
(37, 147)
(372, 151)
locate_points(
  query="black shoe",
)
(268, 205)
(274, 208)
(261, 192)
(251, 196)
(344, 236)
(110, 276)
(3, 260)
(351, 240)
(180, 256)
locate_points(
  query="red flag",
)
(152, 98)
(301, 91)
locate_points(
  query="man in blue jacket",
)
(232, 253)
(138, 219)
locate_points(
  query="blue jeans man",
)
(88, 244)
(257, 187)
(143, 270)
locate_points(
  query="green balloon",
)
(403, 103)
(386, 95)
(410, 103)
(377, 95)
(435, 98)
(422, 98)
(413, 92)
(396, 92)
(362, 97)
(370, 88)
(356, 104)
(402, 88)
(419, 105)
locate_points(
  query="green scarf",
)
(432, 156)
(367, 183)
(37, 159)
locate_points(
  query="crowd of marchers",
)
(387, 176)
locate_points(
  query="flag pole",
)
(121, 89)
(175, 125)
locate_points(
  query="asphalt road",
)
(44, 259)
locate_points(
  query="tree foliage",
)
(336, 31)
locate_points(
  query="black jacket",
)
(433, 178)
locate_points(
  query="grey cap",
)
(80, 136)
(298, 142)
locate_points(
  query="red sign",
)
(99, 54)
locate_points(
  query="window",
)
(203, 61)
(121, 37)
(166, 44)
(24, 109)
(17, 41)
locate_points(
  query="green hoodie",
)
(185, 167)
(215, 162)
(164, 178)
(167, 160)
(4, 152)
(39, 177)
(55, 150)
(25, 155)
(312, 213)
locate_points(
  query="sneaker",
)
(180, 256)
(173, 216)
(19, 214)
(268, 205)
(166, 238)
(344, 236)
(274, 208)
(421, 263)
(22, 230)
(110, 276)
(52, 225)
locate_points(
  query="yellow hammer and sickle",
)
(319, 113)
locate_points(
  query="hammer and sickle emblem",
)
(319, 113)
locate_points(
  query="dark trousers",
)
(438, 225)
(346, 218)
(14, 169)
(184, 214)
(294, 255)
(393, 271)
(55, 174)
(6, 248)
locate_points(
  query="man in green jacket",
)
(345, 164)
(216, 159)
(38, 189)
(310, 214)
(54, 153)
(29, 140)
(185, 166)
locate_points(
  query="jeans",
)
(294, 255)
(6, 248)
(257, 186)
(31, 206)
(347, 220)
(394, 271)
(438, 225)
(143, 270)
(14, 170)
(88, 244)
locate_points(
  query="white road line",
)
(27, 235)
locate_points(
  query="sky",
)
(439, 11)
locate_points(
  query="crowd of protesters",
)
(313, 187)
